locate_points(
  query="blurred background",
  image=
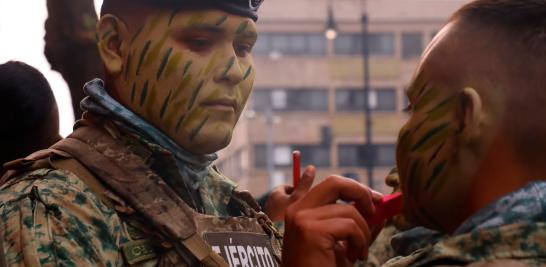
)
(319, 88)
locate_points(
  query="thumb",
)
(305, 183)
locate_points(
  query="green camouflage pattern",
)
(381, 250)
(51, 218)
(524, 241)
(512, 227)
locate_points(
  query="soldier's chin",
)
(401, 224)
(208, 142)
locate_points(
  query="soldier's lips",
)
(221, 104)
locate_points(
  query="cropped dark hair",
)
(523, 20)
(518, 27)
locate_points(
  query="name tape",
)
(243, 249)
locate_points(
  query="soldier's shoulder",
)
(49, 181)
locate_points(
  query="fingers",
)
(282, 190)
(340, 250)
(305, 183)
(339, 211)
(336, 187)
(342, 229)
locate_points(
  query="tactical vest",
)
(142, 199)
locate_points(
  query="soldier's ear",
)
(469, 113)
(109, 34)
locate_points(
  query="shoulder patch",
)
(137, 251)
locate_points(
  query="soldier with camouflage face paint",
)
(133, 185)
(471, 156)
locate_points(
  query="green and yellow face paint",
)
(189, 73)
(426, 147)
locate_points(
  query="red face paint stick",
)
(390, 207)
(296, 166)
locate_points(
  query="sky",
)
(22, 39)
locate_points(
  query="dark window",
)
(379, 44)
(261, 47)
(355, 155)
(385, 155)
(291, 99)
(353, 100)
(412, 45)
(315, 155)
(290, 44)
(347, 44)
(260, 156)
(317, 44)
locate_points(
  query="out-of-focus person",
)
(29, 118)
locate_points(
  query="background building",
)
(314, 87)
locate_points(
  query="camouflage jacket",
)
(391, 243)
(51, 218)
(381, 250)
(511, 227)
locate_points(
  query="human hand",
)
(319, 232)
(285, 195)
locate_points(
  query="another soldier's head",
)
(29, 119)
(185, 66)
(478, 99)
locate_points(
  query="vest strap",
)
(95, 185)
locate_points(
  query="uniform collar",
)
(523, 205)
(215, 190)
(193, 167)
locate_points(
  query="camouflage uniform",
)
(391, 242)
(50, 217)
(381, 250)
(512, 227)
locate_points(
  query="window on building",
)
(318, 156)
(379, 44)
(260, 156)
(315, 155)
(290, 43)
(355, 155)
(353, 99)
(412, 45)
(385, 155)
(291, 99)
(261, 47)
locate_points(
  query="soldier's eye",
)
(199, 44)
(242, 50)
